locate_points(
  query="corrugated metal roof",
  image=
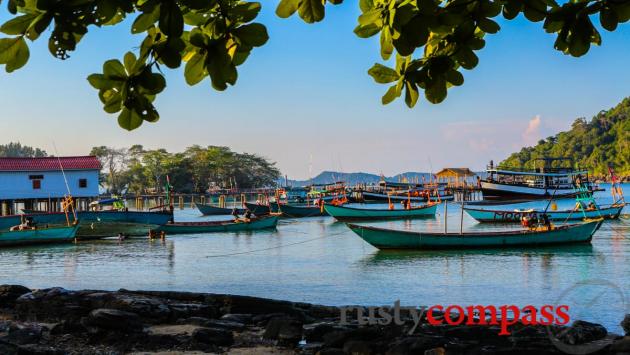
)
(50, 163)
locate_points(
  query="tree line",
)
(596, 144)
(195, 170)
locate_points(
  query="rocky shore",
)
(59, 321)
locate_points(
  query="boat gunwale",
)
(382, 210)
(602, 208)
(53, 226)
(217, 223)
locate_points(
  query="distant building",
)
(39, 184)
(455, 177)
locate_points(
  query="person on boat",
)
(545, 221)
(235, 215)
(247, 216)
(591, 206)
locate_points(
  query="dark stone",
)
(621, 346)
(625, 324)
(316, 331)
(223, 324)
(237, 318)
(151, 309)
(416, 345)
(285, 330)
(24, 334)
(10, 293)
(336, 339)
(358, 347)
(213, 336)
(582, 332)
(200, 321)
(67, 327)
(331, 351)
(263, 319)
(186, 310)
(113, 319)
(34, 349)
(8, 348)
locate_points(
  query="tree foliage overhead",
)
(17, 150)
(433, 40)
(195, 170)
(603, 141)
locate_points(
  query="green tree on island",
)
(595, 145)
(17, 150)
(433, 39)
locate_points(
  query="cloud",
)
(532, 132)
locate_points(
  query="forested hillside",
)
(594, 145)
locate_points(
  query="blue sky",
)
(306, 93)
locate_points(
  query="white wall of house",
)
(19, 184)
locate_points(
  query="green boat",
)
(396, 239)
(218, 226)
(344, 213)
(61, 234)
(287, 210)
(210, 210)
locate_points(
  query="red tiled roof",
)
(49, 163)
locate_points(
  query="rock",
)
(34, 349)
(24, 334)
(8, 349)
(331, 351)
(621, 346)
(316, 331)
(263, 319)
(237, 318)
(582, 332)
(151, 309)
(213, 336)
(336, 339)
(416, 345)
(435, 351)
(113, 319)
(223, 324)
(186, 310)
(625, 324)
(10, 293)
(67, 327)
(285, 330)
(358, 347)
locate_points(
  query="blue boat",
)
(503, 216)
(98, 224)
(59, 234)
(210, 210)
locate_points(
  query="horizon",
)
(331, 118)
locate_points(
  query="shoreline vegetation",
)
(60, 321)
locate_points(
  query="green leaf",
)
(151, 83)
(367, 30)
(99, 81)
(246, 12)
(454, 77)
(435, 92)
(113, 68)
(253, 34)
(14, 53)
(286, 8)
(130, 62)
(145, 20)
(383, 74)
(366, 5)
(387, 44)
(114, 104)
(195, 71)
(370, 17)
(129, 119)
(488, 25)
(311, 10)
(411, 94)
(608, 19)
(466, 58)
(171, 21)
(391, 94)
(18, 25)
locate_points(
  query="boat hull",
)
(505, 216)
(214, 227)
(99, 224)
(373, 196)
(343, 213)
(258, 210)
(51, 235)
(396, 239)
(209, 210)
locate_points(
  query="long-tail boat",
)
(210, 210)
(344, 213)
(503, 216)
(98, 224)
(397, 239)
(58, 234)
(219, 226)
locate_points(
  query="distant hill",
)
(327, 177)
(593, 145)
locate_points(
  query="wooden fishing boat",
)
(287, 210)
(210, 210)
(396, 239)
(219, 226)
(344, 213)
(503, 216)
(98, 224)
(59, 234)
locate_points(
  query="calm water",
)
(319, 260)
